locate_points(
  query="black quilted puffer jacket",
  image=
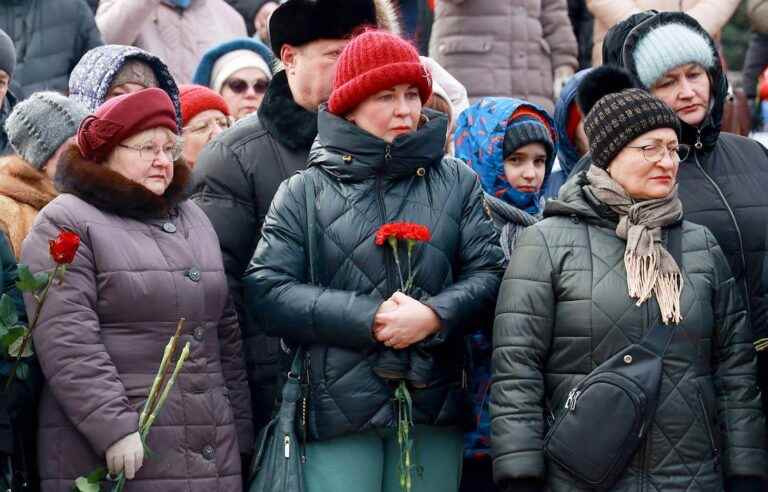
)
(362, 182)
(564, 309)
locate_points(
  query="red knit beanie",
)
(372, 62)
(123, 117)
(196, 98)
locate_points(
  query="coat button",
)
(199, 333)
(627, 359)
(193, 274)
(169, 227)
(421, 172)
(208, 452)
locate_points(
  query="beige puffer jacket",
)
(711, 14)
(178, 37)
(504, 48)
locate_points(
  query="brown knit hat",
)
(617, 113)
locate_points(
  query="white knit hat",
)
(233, 61)
(669, 46)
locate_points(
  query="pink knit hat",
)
(372, 62)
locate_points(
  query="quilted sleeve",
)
(77, 367)
(277, 291)
(559, 34)
(522, 333)
(739, 408)
(478, 269)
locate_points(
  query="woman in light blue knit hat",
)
(723, 184)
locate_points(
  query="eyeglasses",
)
(206, 127)
(238, 86)
(655, 153)
(149, 152)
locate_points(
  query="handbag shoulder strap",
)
(309, 195)
(660, 336)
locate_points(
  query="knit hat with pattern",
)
(617, 113)
(38, 125)
(372, 62)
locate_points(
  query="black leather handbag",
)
(606, 415)
(278, 460)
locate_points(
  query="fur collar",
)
(113, 193)
(25, 184)
(287, 122)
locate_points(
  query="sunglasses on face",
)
(238, 86)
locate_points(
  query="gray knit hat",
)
(525, 130)
(7, 54)
(38, 125)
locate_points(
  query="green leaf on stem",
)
(31, 283)
(8, 315)
(82, 484)
(90, 482)
(13, 334)
(22, 371)
(14, 348)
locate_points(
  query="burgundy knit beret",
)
(195, 99)
(122, 117)
(372, 62)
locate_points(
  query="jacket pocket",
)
(705, 414)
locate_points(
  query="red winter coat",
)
(144, 262)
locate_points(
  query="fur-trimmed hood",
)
(109, 191)
(25, 184)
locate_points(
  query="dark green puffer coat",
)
(564, 309)
(362, 182)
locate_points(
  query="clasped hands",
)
(402, 321)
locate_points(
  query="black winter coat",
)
(18, 407)
(362, 182)
(50, 38)
(236, 177)
(564, 309)
(723, 182)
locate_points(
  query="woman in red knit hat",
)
(204, 114)
(147, 258)
(369, 332)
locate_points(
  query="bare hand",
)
(410, 323)
(126, 455)
(561, 77)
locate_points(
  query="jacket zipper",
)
(733, 218)
(383, 215)
(705, 416)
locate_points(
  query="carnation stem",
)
(393, 244)
(32, 326)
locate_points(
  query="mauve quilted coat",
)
(102, 334)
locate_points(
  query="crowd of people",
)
(501, 246)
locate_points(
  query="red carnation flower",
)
(64, 247)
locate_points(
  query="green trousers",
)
(368, 461)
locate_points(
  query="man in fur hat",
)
(238, 173)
